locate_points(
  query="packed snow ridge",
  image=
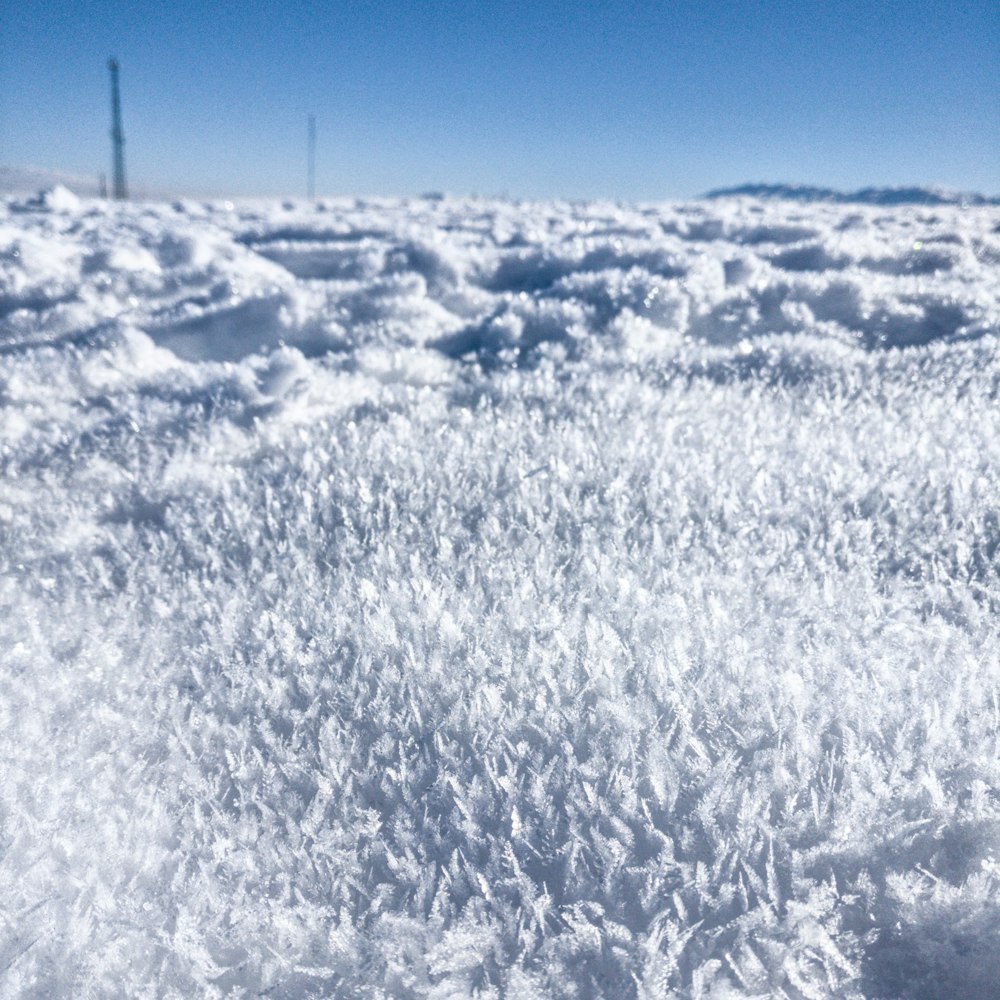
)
(465, 598)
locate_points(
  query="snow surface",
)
(449, 598)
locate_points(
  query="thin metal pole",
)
(117, 135)
(311, 175)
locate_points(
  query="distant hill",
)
(866, 196)
(28, 180)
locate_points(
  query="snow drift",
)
(452, 598)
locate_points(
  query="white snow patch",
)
(455, 597)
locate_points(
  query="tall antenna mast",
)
(311, 175)
(120, 190)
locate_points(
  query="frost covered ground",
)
(450, 598)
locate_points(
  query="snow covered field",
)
(449, 598)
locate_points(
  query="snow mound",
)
(493, 280)
(460, 598)
(55, 199)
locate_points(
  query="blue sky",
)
(620, 100)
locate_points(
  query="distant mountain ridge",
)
(16, 180)
(29, 180)
(866, 196)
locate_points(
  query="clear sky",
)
(634, 100)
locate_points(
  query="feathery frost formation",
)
(446, 599)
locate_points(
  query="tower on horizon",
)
(120, 189)
(311, 159)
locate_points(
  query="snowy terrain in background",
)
(29, 180)
(451, 598)
(866, 196)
